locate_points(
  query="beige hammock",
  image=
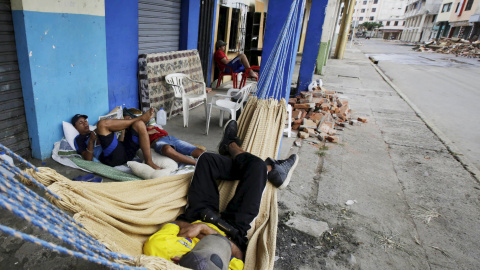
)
(122, 215)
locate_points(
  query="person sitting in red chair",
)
(237, 64)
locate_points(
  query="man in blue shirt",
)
(114, 152)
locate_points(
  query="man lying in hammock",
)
(176, 239)
(113, 152)
(166, 145)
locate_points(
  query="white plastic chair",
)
(225, 104)
(176, 81)
(288, 129)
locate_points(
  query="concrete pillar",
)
(121, 28)
(344, 29)
(329, 25)
(312, 43)
(62, 57)
(190, 15)
(278, 12)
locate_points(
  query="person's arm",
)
(88, 153)
(200, 230)
(225, 61)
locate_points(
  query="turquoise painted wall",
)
(63, 68)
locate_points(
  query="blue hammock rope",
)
(271, 82)
(28, 205)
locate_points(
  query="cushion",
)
(70, 132)
(159, 160)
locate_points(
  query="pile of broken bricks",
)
(320, 113)
(456, 46)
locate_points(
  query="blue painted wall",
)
(312, 44)
(121, 27)
(278, 11)
(190, 16)
(63, 67)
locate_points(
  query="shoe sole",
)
(223, 135)
(289, 175)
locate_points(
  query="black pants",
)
(245, 204)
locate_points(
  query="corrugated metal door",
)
(13, 124)
(158, 26)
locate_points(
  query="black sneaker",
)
(282, 170)
(229, 136)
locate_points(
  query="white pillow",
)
(161, 161)
(144, 171)
(70, 132)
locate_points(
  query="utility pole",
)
(345, 28)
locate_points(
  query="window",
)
(469, 5)
(372, 18)
(360, 19)
(403, 23)
(375, 1)
(388, 23)
(374, 9)
(395, 23)
(362, 10)
(434, 17)
(458, 6)
(446, 7)
(364, 2)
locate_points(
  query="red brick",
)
(333, 139)
(362, 119)
(295, 126)
(302, 106)
(296, 114)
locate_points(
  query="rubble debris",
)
(309, 226)
(456, 46)
(320, 114)
(362, 119)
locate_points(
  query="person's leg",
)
(177, 150)
(169, 151)
(144, 142)
(107, 126)
(203, 190)
(244, 206)
(246, 64)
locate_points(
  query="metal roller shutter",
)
(158, 26)
(13, 124)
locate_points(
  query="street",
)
(444, 87)
(392, 194)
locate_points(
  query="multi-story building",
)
(475, 20)
(392, 16)
(420, 16)
(365, 11)
(461, 26)
(443, 17)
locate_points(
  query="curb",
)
(454, 151)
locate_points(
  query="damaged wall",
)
(61, 49)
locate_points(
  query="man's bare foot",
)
(147, 115)
(253, 74)
(153, 165)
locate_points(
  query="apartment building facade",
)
(420, 17)
(392, 16)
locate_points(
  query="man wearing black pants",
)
(203, 195)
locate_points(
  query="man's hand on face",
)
(198, 230)
(93, 135)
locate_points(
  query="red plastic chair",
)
(246, 75)
(231, 73)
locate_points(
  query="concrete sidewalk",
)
(414, 205)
